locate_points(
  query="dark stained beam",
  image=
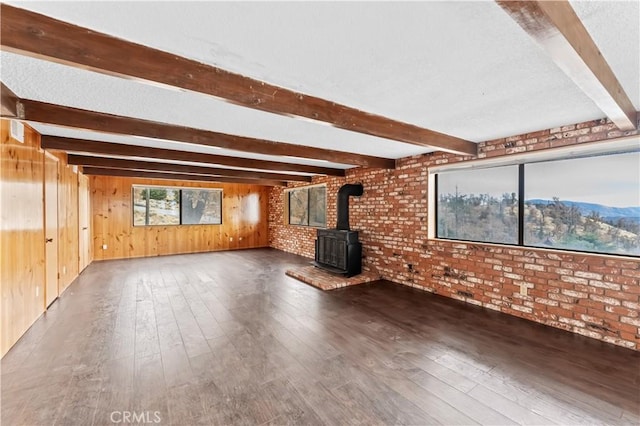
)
(42, 37)
(42, 112)
(118, 163)
(176, 176)
(93, 147)
(10, 102)
(555, 26)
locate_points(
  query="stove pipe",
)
(343, 203)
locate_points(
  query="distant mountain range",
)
(606, 212)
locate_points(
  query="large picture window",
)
(589, 204)
(308, 206)
(176, 206)
(479, 205)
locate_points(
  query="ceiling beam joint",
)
(10, 103)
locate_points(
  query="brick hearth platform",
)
(328, 281)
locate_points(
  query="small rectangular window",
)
(140, 209)
(174, 206)
(318, 206)
(308, 206)
(299, 207)
(201, 206)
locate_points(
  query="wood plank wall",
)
(244, 221)
(22, 234)
(22, 237)
(84, 222)
(68, 226)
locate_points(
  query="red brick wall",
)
(293, 238)
(593, 295)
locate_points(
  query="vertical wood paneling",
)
(22, 226)
(22, 234)
(68, 225)
(84, 225)
(52, 245)
(244, 221)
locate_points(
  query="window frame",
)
(180, 195)
(517, 235)
(287, 213)
(219, 191)
(615, 146)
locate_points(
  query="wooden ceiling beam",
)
(32, 34)
(555, 26)
(119, 163)
(10, 103)
(42, 112)
(105, 148)
(99, 171)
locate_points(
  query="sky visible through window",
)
(493, 181)
(611, 180)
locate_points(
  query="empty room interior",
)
(320, 213)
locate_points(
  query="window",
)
(479, 205)
(308, 206)
(299, 207)
(587, 204)
(156, 206)
(175, 206)
(317, 206)
(201, 206)
(584, 203)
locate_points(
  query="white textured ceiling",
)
(615, 28)
(54, 83)
(461, 68)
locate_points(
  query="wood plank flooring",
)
(226, 338)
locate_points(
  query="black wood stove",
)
(339, 250)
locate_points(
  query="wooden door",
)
(83, 222)
(51, 165)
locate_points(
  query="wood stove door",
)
(340, 251)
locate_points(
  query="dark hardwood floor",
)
(227, 338)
